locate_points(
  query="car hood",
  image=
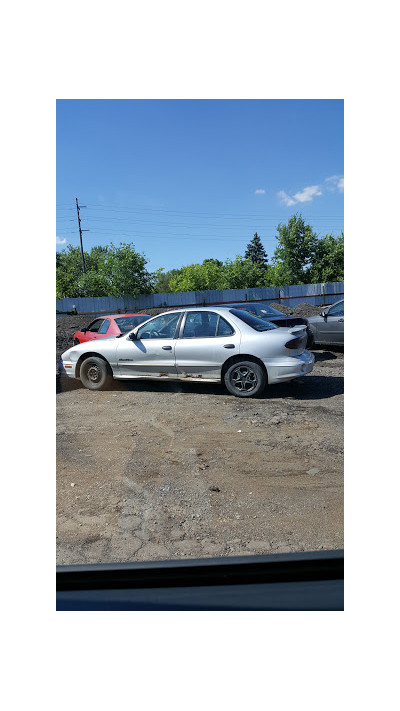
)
(92, 345)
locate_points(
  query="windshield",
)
(127, 323)
(254, 321)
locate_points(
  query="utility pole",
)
(80, 233)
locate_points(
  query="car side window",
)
(337, 310)
(200, 324)
(224, 328)
(104, 327)
(95, 325)
(160, 327)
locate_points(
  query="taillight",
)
(295, 343)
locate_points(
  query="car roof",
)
(119, 315)
(195, 308)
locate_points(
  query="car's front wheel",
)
(95, 374)
(245, 379)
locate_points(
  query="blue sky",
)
(184, 180)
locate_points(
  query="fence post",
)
(323, 294)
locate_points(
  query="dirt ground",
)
(155, 470)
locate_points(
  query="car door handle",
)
(166, 348)
(229, 345)
(340, 320)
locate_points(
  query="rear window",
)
(257, 323)
(261, 310)
(126, 323)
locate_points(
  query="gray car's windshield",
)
(254, 321)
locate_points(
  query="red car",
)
(110, 325)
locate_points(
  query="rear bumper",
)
(282, 369)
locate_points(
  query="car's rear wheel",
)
(95, 374)
(245, 379)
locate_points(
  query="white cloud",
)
(335, 182)
(286, 198)
(260, 191)
(305, 195)
(60, 240)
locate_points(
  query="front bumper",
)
(282, 369)
(67, 367)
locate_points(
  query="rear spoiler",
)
(297, 329)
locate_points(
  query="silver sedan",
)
(219, 344)
(328, 326)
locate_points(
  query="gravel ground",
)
(156, 470)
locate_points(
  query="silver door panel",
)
(147, 358)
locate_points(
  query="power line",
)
(113, 208)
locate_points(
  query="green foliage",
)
(242, 273)
(110, 271)
(296, 249)
(301, 257)
(278, 274)
(198, 277)
(161, 280)
(256, 252)
(239, 273)
(328, 261)
(127, 271)
(69, 272)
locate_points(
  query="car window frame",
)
(199, 311)
(160, 338)
(108, 322)
(338, 305)
(91, 324)
(219, 316)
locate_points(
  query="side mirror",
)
(84, 330)
(323, 313)
(132, 336)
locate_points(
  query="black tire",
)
(245, 379)
(95, 374)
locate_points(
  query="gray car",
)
(328, 327)
(218, 344)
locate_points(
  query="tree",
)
(328, 261)
(256, 252)
(198, 277)
(301, 257)
(239, 273)
(161, 280)
(69, 271)
(127, 271)
(296, 250)
(243, 273)
(110, 271)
